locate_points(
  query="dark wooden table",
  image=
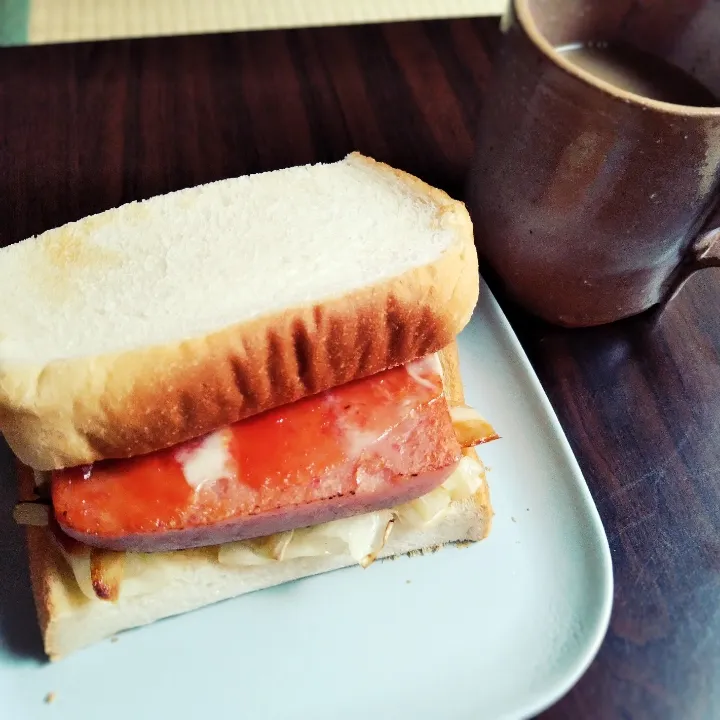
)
(87, 127)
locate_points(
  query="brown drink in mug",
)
(595, 187)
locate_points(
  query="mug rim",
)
(526, 20)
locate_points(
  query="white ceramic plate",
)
(497, 630)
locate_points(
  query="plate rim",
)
(596, 633)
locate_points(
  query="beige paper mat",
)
(71, 20)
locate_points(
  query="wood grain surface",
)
(86, 127)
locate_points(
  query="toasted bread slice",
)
(159, 321)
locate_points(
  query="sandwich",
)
(235, 385)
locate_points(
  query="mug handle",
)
(707, 250)
(705, 253)
(707, 247)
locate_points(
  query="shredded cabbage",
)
(363, 536)
(467, 479)
(80, 566)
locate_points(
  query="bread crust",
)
(69, 621)
(76, 411)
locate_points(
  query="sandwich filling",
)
(329, 474)
(106, 575)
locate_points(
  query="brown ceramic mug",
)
(595, 187)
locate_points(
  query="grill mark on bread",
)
(337, 332)
(303, 349)
(246, 389)
(187, 408)
(428, 329)
(282, 381)
(397, 330)
(365, 332)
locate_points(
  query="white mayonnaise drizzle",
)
(415, 370)
(207, 462)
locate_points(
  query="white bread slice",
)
(159, 321)
(194, 578)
